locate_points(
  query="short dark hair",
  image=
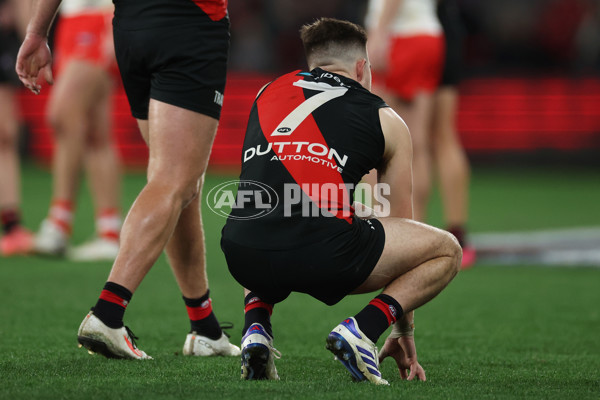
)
(328, 39)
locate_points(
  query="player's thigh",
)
(144, 129)
(180, 141)
(408, 244)
(76, 89)
(8, 115)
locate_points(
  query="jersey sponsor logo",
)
(316, 153)
(255, 196)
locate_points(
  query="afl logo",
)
(258, 198)
(284, 129)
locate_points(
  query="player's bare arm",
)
(34, 55)
(379, 34)
(396, 169)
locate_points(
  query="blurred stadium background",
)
(530, 94)
(508, 328)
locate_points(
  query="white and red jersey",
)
(70, 8)
(414, 17)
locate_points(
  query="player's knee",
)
(192, 192)
(181, 191)
(65, 123)
(8, 136)
(453, 251)
(55, 118)
(97, 142)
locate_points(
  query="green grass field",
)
(495, 332)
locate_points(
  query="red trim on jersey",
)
(385, 308)
(215, 9)
(201, 312)
(113, 298)
(274, 104)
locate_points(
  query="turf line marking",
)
(573, 247)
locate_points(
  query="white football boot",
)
(355, 351)
(98, 249)
(111, 343)
(197, 345)
(50, 240)
(258, 354)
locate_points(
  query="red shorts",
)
(415, 64)
(86, 37)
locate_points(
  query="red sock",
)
(202, 318)
(112, 303)
(257, 311)
(108, 224)
(378, 315)
(256, 302)
(61, 214)
(388, 310)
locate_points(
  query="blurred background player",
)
(407, 48)
(15, 238)
(79, 113)
(172, 56)
(448, 154)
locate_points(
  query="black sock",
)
(257, 311)
(378, 315)
(112, 304)
(10, 218)
(202, 319)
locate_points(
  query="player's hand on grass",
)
(34, 59)
(403, 350)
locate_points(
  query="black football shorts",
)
(182, 65)
(327, 270)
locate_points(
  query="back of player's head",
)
(330, 41)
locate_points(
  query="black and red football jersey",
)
(311, 137)
(142, 14)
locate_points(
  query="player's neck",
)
(336, 69)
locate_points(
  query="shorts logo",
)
(258, 197)
(218, 98)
